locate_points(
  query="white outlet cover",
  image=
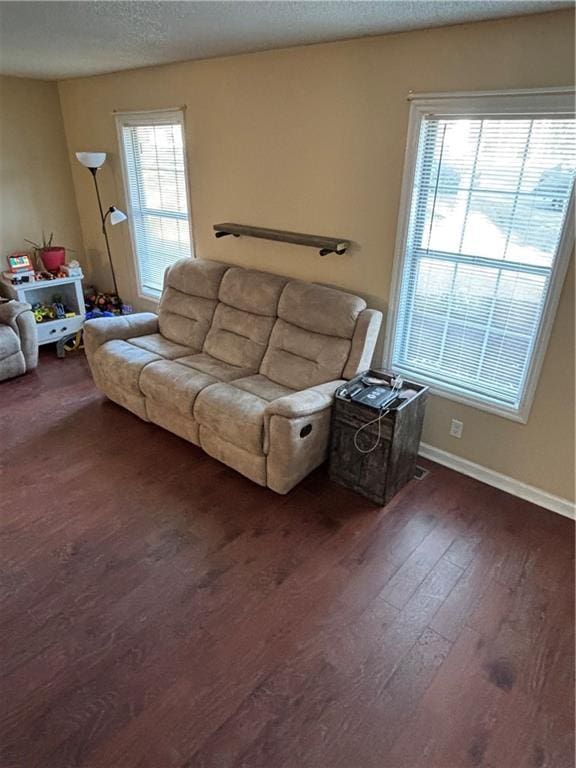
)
(456, 428)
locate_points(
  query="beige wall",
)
(312, 139)
(36, 191)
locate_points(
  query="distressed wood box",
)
(380, 474)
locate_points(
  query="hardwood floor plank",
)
(463, 601)
(390, 709)
(452, 724)
(415, 568)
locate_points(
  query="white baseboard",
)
(503, 482)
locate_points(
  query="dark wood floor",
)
(160, 611)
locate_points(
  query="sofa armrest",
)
(363, 342)
(306, 402)
(103, 329)
(10, 310)
(18, 315)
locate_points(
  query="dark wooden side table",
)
(380, 473)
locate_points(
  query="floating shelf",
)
(325, 244)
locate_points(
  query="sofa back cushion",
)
(189, 300)
(244, 317)
(311, 340)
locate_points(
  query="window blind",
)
(489, 202)
(154, 165)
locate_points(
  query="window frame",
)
(526, 103)
(169, 116)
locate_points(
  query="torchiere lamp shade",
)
(91, 159)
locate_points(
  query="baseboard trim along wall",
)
(503, 482)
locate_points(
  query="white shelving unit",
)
(45, 291)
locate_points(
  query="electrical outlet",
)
(456, 428)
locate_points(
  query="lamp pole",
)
(94, 171)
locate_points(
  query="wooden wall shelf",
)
(326, 245)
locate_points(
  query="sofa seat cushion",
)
(121, 363)
(174, 385)
(262, 387)
(234, 415)
(155, 342)
(9, 342)
(220, 370)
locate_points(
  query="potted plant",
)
(51, 256)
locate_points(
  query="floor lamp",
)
(93, 161)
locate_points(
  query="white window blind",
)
(489, 202)
(155, 177)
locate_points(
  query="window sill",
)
(149, 302)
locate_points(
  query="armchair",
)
(18, 339)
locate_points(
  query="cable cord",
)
(398, 382)
(378, 419)
(397, 386)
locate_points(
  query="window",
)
(483, 244)
(154, 165)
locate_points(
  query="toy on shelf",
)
(104, 304)
(20, 263)
(26, 268)
(20, 269)
(56, 310)
(72, 269)
(18, 278)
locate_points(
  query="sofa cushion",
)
(189, 300)
(174, 385)
(185, 319)
(177, 383)
(238, 337)
(235, 411)
(244, 317)
(311, 340)
(121, 363)
(252, 291)
(319, 309)
(262, 387)
(213, 367)
(156, 343)
(233, 414)
(299, 359)
(196, 277)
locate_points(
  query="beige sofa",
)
(18, 339)
(239, 362)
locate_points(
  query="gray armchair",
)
(18, 339)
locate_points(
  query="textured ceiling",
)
(54, 40)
